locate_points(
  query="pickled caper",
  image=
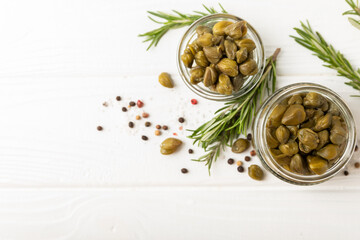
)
(236, 30)
(201, 60)
(308, 137)
(271, 140)
(246, 43)
(203, 29)
(169, 146)
(219, 27)
(255, 172)
(238, 82)
(230, 49)
(249, 67)
(329, 152)
(289, 149)
(228, 67)
(276, 116)
(205, 40)
(297, 164)
(240, 145)
(196, 75)
(323, 139)
(323, 122)
(294, 115)
(165, 80)
(282, 134)
(313, 100)
(317, 164)
(295, 99)
(187, 59)
(210, 76)
(241, 55)
(213, 54)
(224, 85)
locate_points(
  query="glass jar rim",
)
(260, 142)
(208, 94)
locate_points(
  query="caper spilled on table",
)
(306, 133)
(222, 55)
(169, 146)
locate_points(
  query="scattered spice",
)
(346, 173)
(191, 151)
(145, 138)
(139, 103)
(131, 124)
(230, 161)
(239, 163)
(118, 98)
(132, 103)
(165, 127)
(247, 158)
(194, 101)
(252, 153)
(240, 169)
(124, 109)
(249, 137)
(356, 148)
(157, 132)
(357, 165)
(158, 127)
(181, 119)
(105, 104)
(137, 117)
(175, 134)
(99, 128)
(184, 170)
(181, 128)
(145, 115)
(147, 124)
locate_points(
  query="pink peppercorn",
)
(139, 103)
(194, 101)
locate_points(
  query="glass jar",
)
(190, 35)
(259, 133)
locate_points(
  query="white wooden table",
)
(62, 179)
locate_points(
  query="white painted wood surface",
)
(61, 179)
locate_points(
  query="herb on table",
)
(333, 59)
(173, 21)
(355, 11)
(234, 118)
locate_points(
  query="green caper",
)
(240, 145)
(213, 54)
(236, 30)
(230, 49)
(271, 140)
(333, 109)
(205, 40)
(241, 55)
(237, 82)
(308, 137)
(309, 113)
(293, 130)
(323, 122)
(196, 75)
(309, 124)
(224, 85)
(249, 67)
(294, 115)
(337, 134)
(318, 114)
(228, 67)
(325, 106)
(193, 48)
(255, 172)
(187, 59)
(169, 146)
(217, 39)
(304, 148)
(219, 27)
(165, 80)
(282, 134)
(317, 164)
(246, 43)
(280, 158)
(295, 99)
(297, 164)
(210, 76)
(329, 152)
(276, 116)
(200, 30)
(289, 149)
(313, 100)
(323, 139)
(201, 60)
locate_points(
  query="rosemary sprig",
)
(355, 11)
(173, 21)
(234, 118)
(333, 59)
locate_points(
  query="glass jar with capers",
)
(220, 57)
(304, 133)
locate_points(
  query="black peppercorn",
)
(132, 103)
(249, 137)
(184, 170)
(247, 158)
(240, 169)
(124, 109)
(131, 124)
(230, 161)
(118, 98)
(181, 120)
(99, 128)
(143, 137)
(346, 173)
(191, 151)
(147, 124)
(165, 127)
